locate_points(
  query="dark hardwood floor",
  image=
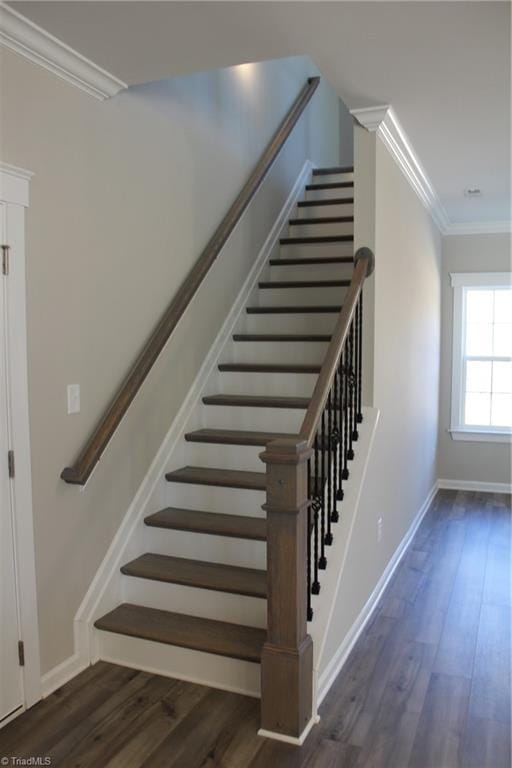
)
(426, 686)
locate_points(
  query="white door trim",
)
(14, 187)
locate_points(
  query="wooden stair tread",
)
(329, 185)
(199, 574)
(199, 634)
(334, 169)
(327, 201)
(282, 337)
(277, 284)
(316, 239)
(258, 401)
(312, 260)
(288, 310)
(270, 368)
(235, 437)
(224, 478)
(321, 220)
(212, 523)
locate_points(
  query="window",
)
(482, 356)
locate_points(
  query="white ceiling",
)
(443, 66)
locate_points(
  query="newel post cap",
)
(287, 450)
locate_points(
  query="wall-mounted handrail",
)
(81, 469)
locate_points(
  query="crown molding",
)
(479, 228)
(35, 44)
(371, 117)
(383, 121)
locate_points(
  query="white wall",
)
(402, 466)
(464, 460)
(126, 193)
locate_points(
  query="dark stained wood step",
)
(235, 437)
(269, 368)
(219, 637)
(332, 170)
(319, 260)
(327, 201)
(224, 478)
(258, 401)
(286, 337)
(316, 240)
(199, 574)
(304, 284)
(330, 185)
(303, 310)
(321, 220)
(212, 523)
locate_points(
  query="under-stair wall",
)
(126, 192)
(401, 472)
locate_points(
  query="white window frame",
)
(460, 281)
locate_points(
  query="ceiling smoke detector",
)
(473, 192)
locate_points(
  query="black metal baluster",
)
(339, 495)
(336, 482)
(308, 555)
(350, 452)
(345, 472)
(360, 361)
(330, 494)
(313, 494)
(355, 378)
(322, 563)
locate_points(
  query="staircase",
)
(210, 543)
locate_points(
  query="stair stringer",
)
(106, 589)
(331, 579)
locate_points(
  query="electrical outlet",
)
(379, 530)
(73, 398)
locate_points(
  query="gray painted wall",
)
(125, 195)
(465, 460)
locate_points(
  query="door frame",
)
(14, 193)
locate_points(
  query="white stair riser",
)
(311, 272)
(233, 456)
(291, 323)
(298, 297)
(201, 546)
(332, 178)
(316, 250)
(310, 230)
(291, 384)
(242, 417)
(180, 663)
(231, 501)
(316, 211)
(206, 603)
(284, 352)
(329, 194)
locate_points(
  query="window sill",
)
(481, 436)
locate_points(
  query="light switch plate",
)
(73, 398)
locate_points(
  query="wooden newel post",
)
(287, 658)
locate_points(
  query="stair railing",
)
(305, 478)
(79, 472)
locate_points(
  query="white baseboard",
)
(62, 673)
(474, 485)
(297, 741)
(329, 675)
(109, 569)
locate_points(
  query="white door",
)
(11, 680)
